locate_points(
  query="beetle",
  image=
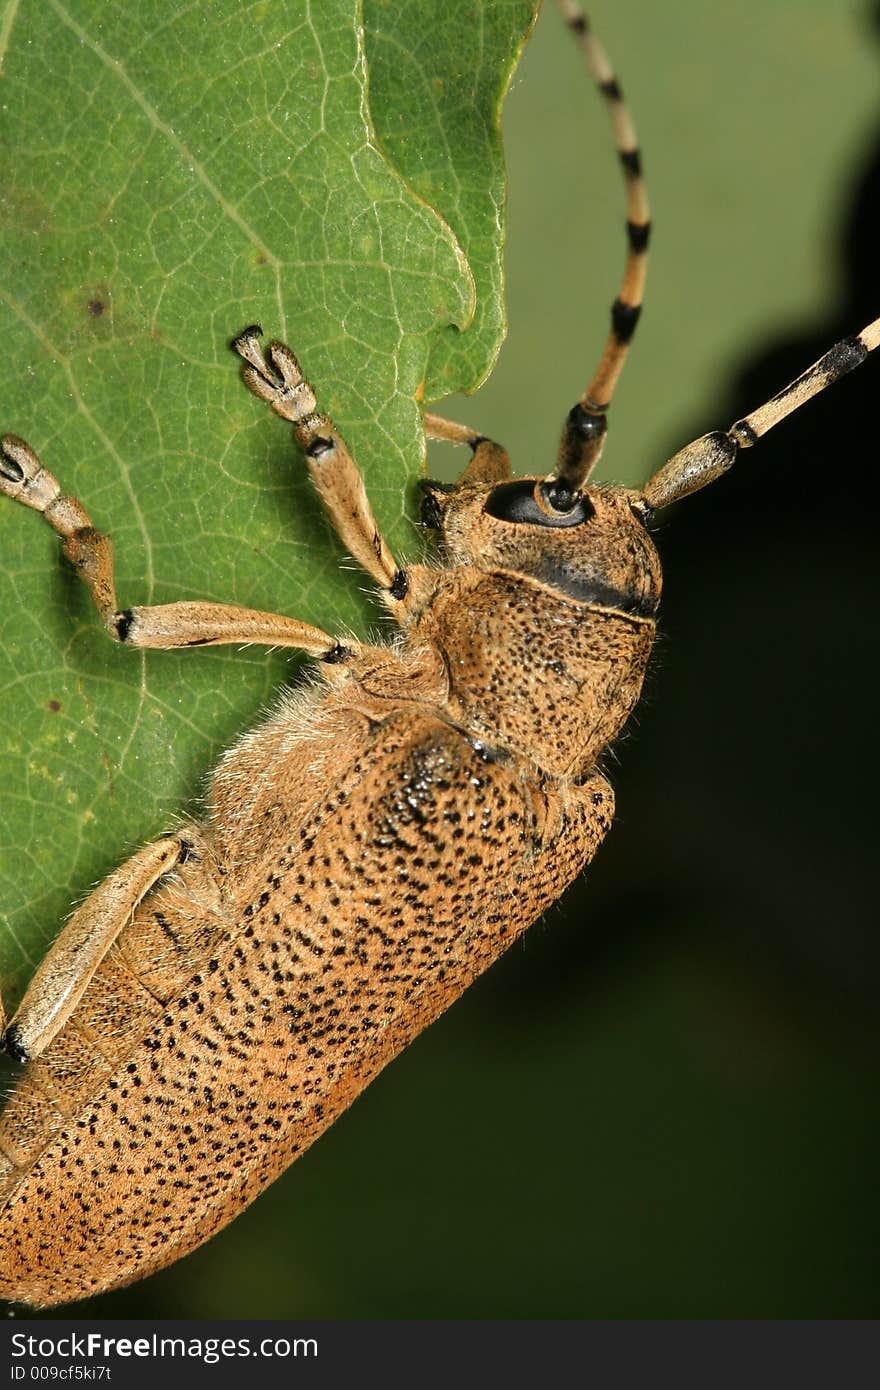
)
(240, 1030)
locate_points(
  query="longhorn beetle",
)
(368, 850)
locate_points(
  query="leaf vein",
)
(227, 207)
(6, 26)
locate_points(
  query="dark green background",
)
(661, 1104)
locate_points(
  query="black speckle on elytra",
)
(249, 1055)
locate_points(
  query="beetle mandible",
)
(367, 851)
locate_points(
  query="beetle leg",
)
(490, 462)
(167, 625)
(23, 478)
(275, 377)
(63, 975)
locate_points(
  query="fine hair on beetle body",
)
(374, 843)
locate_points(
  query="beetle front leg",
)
(490, 462)
(275, 376)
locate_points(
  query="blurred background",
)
(661, 1104)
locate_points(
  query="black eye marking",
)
(516, 502)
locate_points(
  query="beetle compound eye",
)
(516, 502)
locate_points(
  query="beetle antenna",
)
(583, 436)
(700, 463)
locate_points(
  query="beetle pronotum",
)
(558, 506)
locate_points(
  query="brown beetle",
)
(369, 850)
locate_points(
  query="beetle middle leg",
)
(167, 625)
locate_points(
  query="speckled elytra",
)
(367, 851)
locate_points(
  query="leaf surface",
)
(168, 175)
(455, 63)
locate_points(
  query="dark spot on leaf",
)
(54, 705)
(96, 307)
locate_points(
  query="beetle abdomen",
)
(422, 866)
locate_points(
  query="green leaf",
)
(455, 62)
(168, 176)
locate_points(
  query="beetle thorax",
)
(546, 630)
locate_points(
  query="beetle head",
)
(593, 547)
